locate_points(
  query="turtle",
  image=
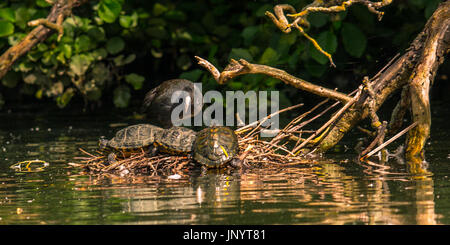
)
(176, 140)
(158, 105)
(215, 146)
(131, 139)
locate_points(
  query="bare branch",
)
(300, 19)
(389, 141)
(237, 68)
(60, 10)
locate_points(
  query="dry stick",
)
(313, 118)
(261, 121)
(276, 146)
(298, 139)
(389, 141)
(380, 135)
(87, 153)
(333, 118)
(60, 10)
(288, 127)
(385, 67)
(236, 68)
(299, 118)
(316, 116)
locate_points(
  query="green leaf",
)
(6, 28)
(42, 3)
(115, 45)
(193, 75)
(36, 78)
(100, 73)
(30, 78)
(22, 17)
(129, 21)
(315, 69)
(7, 14)
(130, 58)
(109, 10)
(328, 42)
(67, 50)
(25, 66)
(56, 89)
(65, 98)
(318, 19)
(15, 38)
(135, 80)
(99, 54)
(159, 9)
(240, 53)
(82, 44)
(269, 57)
(175, 15)
(120, 60)
(60, 57)
(121, 96)
(96, 33)
(42, 47)
(260, 12)
(125, 21)
(354, 40)
(249, 34)
(79, 64)
(11, 79)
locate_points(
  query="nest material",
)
(254, 151)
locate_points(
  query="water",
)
(337, 192)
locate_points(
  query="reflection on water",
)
(340, 192)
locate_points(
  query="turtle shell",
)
(158, 103)
(215, 146)
(176, 140)
(135, 137)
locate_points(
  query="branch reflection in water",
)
(325, 193)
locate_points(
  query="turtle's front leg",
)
(151, 151)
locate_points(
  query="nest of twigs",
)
(285, 149)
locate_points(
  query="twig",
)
(380, 136)
(389, 141)
(55, 26)
(258, 123)
(333, 119)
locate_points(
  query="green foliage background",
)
(113, 51)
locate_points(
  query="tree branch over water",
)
(60, 10)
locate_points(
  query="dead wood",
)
(60, 10)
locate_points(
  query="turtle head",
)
(103, 143)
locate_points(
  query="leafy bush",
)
(115, 50)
